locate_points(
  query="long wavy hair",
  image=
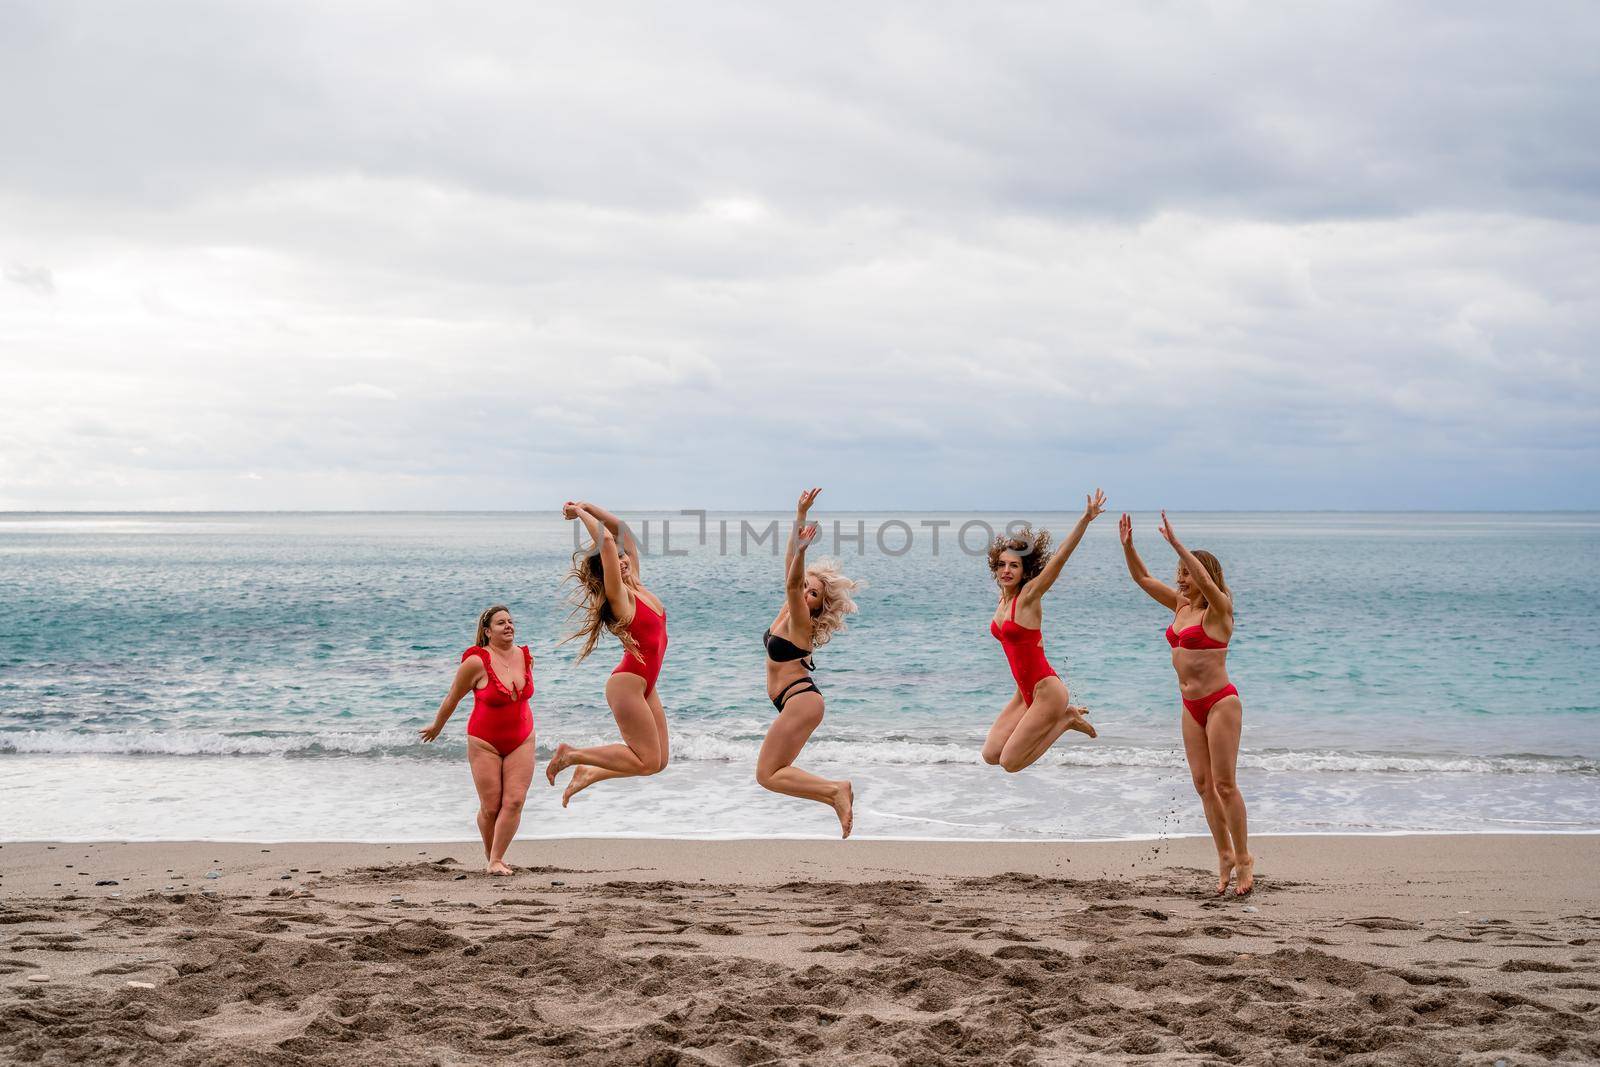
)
(837, 600)
(1213, 567)
(592, 607)
(1034, 548)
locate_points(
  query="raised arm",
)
(794, 571)
(610, 561)
(466, 678)
(1159, 591)
(1093, 507)
(1215, 597)
(617, 527)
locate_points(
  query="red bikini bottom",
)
(1201, 709)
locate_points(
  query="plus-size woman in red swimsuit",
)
(1039, 712)
(1201, 607)
(609, 597)
(499, 675)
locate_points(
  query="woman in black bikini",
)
(816, 600)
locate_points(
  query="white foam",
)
(690, 745)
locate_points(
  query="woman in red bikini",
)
(816, 600)
(609, 597)
(1039, 712)
(499, 675)
(1202, 606)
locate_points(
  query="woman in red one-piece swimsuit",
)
(609, 597)
(1201, 606)
(499, 675)
(1039, 712)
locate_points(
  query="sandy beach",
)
(1362, 949)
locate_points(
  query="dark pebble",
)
(107, 881)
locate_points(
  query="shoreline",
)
(436, 841)
(1412, 948)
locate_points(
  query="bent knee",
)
(1227, 790)
(1202, 786)
(991, 756)
(1010, 766)
(764, 776)
(513, 804)
(489, 806)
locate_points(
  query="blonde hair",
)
(589, 601)
(836, 600)
(482, 640)
(1213, 567)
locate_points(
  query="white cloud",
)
(1216, 257)
(365, 390)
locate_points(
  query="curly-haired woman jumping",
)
(1039, 712)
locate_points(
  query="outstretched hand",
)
(429, 733)
(1094, 506)
(807, 498)
(1167, 532)
(806, 534)
(1125, 530)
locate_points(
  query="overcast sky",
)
(691, 255)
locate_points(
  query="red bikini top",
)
(496, 692)
(1193, 637)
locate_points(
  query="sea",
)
(262, 677)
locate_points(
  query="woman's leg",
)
(775, 768)
(640, 751)
(516, 771)
(1198, 752)
(1002, 729)
(484, 760)
(584, 777)
(1042, 724)
(1222, 738)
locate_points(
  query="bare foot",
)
(499, 869)
(581, 779)
(1247, 876)
(557, 763)
(1224, 872)
(1079, 720)
(844, 803)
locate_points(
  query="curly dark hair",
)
(1034, 548)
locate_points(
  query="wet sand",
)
(1362, 949)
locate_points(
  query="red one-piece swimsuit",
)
(501, 716)
(649, 630)
(1024, 648)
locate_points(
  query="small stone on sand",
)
(40, 978)
(213, 874)
(141, 985)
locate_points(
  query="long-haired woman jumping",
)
(609, 596)
(816, 600)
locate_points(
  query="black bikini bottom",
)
(799, 685)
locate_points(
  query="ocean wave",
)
(728, 747)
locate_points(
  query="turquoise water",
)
(261, 676)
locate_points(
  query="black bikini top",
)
(782, 650)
